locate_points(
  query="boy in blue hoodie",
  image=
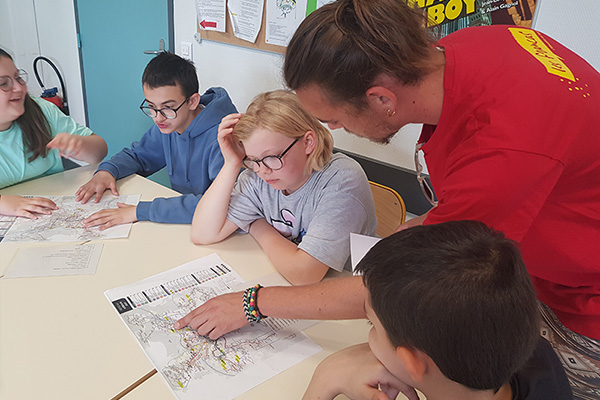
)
(184, 139)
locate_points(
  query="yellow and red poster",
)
(452, 15)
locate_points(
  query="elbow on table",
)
(202, 238)
(307, 278)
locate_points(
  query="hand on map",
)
(125, 214)
(101, 181)
(356, 373)
(216, 317)
(28, 207)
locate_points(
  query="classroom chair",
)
(389, 209)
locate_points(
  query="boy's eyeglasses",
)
(425, 188)
(7, 82)
(272, 162)
(167, 112)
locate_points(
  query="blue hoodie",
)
(193, 159)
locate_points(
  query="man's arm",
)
(341, 298)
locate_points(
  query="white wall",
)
(54, 36)
(246, 72)
(578, 28)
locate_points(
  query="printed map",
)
(6, 223)
(65, 224)
(194, 366)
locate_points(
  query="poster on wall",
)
(246, 18)
(283, 17)
(452, 15)
(211, 15)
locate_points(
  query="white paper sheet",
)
(246, 18)
(65, 224)
(283, 17)
(6, 223)
(359, 247)
(211, 15)
(55, 261)
(193, 366)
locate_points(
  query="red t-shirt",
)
(518, 148)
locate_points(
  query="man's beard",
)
(379, 140)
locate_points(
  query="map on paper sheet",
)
(65, 224)
(193, 366)
(6, 223)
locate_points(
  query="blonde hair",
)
(280, 111)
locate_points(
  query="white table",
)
(61, 339)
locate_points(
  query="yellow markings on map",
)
(237, 358)
(534, 44)
(180, 384)
(167, 318)
(223, 364)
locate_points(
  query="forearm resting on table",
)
(341, 298)
(296, 265)
(210, 223)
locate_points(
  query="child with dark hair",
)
(34, 135)
(183, 139)
(454, 315)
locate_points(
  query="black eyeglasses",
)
(7, 82)
(167, 112)
(272, 162)
(425, 188)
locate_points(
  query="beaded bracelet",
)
(250, 306)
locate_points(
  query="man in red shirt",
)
(511, 138)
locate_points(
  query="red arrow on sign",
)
(206, 24)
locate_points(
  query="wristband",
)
(250, 307)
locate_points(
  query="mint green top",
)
(14, 167)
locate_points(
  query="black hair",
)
(168, 69)
(459, 292)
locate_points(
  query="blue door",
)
(114, 34)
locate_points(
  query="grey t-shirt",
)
(319, 216)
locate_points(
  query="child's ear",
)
(413, 362)
(194, 101)
(310, 142)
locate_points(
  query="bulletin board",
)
(229, 37)
(447, 15)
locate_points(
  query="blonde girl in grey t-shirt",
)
(298, 201)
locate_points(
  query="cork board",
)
(228, 37)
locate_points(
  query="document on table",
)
(65, 224)
(193, 366)
(55, 261)
(6, 223)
